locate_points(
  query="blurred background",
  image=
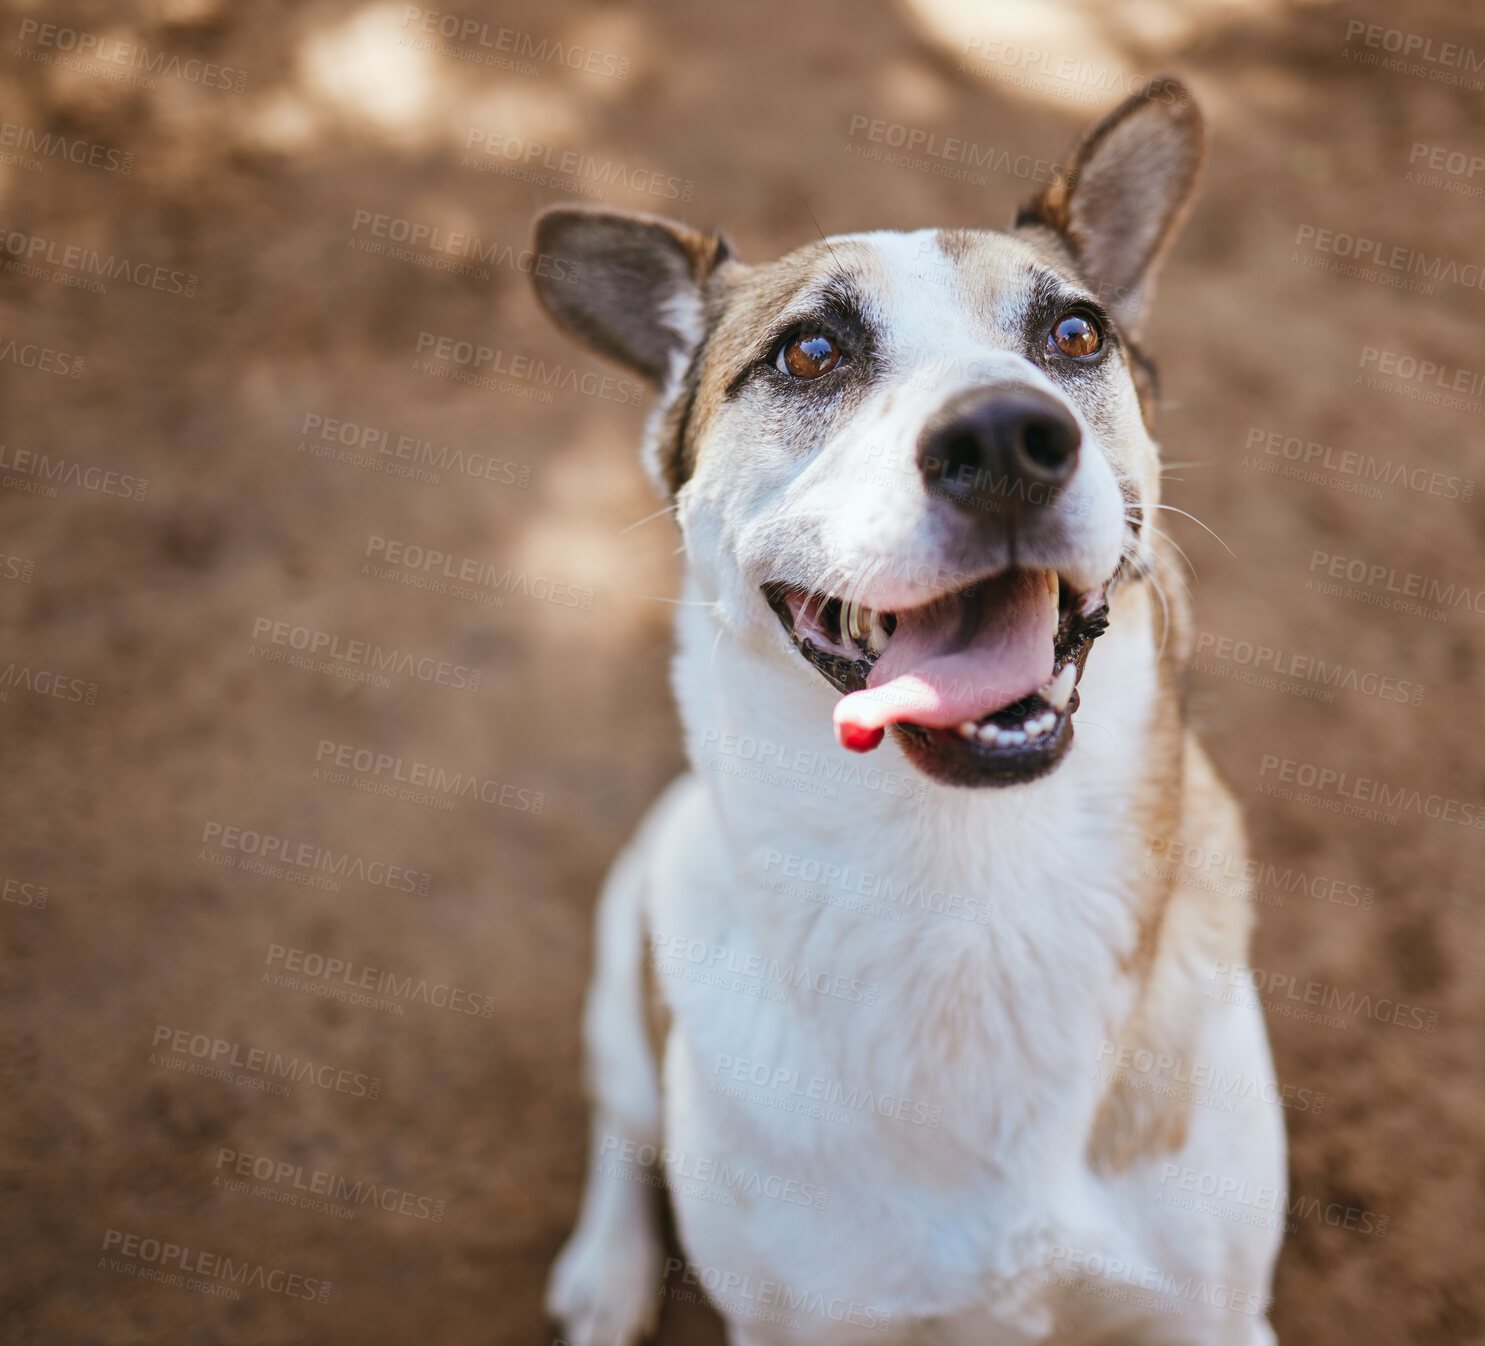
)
(333, 647)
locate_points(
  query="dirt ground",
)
(239, 291)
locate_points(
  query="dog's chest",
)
(899, 1095)
(861, 1192)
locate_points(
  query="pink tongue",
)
(956, 659)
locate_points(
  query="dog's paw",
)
(604, 1288)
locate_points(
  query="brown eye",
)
(809, 355)
(1077, 334)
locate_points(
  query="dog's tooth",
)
(1054, 587)
(969, 728)
(1058, 692)
(989, 732)
(1015, 737)
(1035, 728)
(876, 641)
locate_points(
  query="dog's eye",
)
(1076, 334)
(809, 355)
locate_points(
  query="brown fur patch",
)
(657, 1013)
(744, 303)
(1181, 926)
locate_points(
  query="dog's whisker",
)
(684, 602)
(639, 523)
(1165, 613)
(1188, 515)
(1167, 538)
(1084, 723)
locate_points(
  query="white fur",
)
(978, 1218)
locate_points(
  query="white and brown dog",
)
(941, 1062)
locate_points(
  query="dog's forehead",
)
(900, 280)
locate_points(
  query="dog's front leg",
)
(604, 1288)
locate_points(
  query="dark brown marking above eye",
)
(1076, 334)
(809, 355)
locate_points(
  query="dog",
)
(912, 999)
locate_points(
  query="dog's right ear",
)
(1122, 196)
(637, 294)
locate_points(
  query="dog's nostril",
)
(962, 456)
(1048, 443)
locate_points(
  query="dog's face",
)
(916, 461)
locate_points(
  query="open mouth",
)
(980, 684)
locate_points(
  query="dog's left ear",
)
(1124, 193)
(635, 293)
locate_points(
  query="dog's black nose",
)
(999, 450)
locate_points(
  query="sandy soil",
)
(265, 306)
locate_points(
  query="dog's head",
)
(918, 461)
